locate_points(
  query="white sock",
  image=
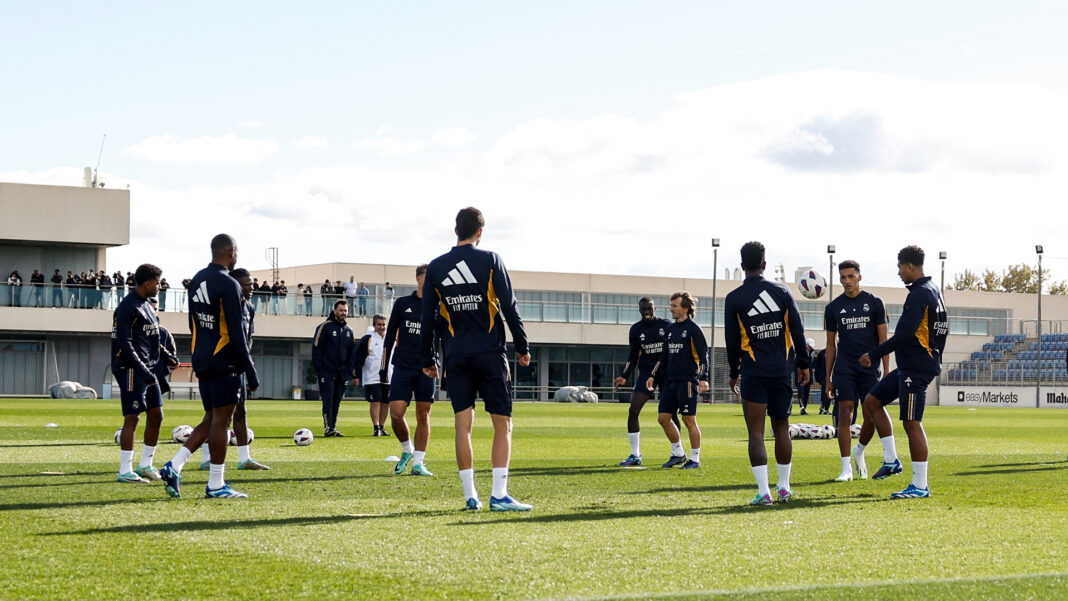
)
(147, 453)
(180, 458)
(125, 462)
(407, 446)
(417, 457)
(500, 482)
(847, 466)
(677, 450)
(919, 474)
(784, 475)
(760, 472)
(205, 453)
(695, 455)
(889, 449)
(216, 479)
(467, 479)
(859, 449)
(243, 454)
(635, 443)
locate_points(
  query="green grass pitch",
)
(330, 521)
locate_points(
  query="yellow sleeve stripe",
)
(746, 346)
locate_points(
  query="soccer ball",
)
(303, 437)
(181, 433)
(233, 437)
(827, 432)
(854, 430)
(811, 284)
(118, 433)
(795, 431)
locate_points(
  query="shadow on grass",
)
(64, 474)
(266, 480)
(65, 505)
(596, 514)
(1060, 465)
(1058, 462)
(54, 444)
(564, 471)
(259, 523)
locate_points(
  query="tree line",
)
(1021, 278)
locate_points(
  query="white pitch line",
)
(812, 587)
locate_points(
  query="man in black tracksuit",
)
(763, 330)
(918, 342)
(333, 355)
(168, 355)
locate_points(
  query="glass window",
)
(557, 353)
(581, 354)
(557, 375)
(580, 374)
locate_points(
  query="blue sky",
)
(588, 132)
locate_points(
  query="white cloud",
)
(223, 150)
(865, 161)
(251, 124)
(312, 142)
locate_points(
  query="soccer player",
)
(763, 331)
(684, 366)
(855, 322)
(135, 350)
(333, 354)
(804, 389)
(168, 354)
(647, 338)
(401, 351)
(918, 341)
(220, 361)
(369, 352)
(248, 328)
(470, 291)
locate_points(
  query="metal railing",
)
(316, 305)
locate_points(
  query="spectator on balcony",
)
(37, 284)
(14, 282)
(131, 283)
(282, 296)
(326, 291)
(362, 292)
(163, 288)
(105, 289)
(73, 291)
(350, 292)
(57, 289)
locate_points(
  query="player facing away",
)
(855, 322)
(684, 365)
(763, 331)
(135, 352)
(470, 291)
(401, 351)
(918, 342)
(647, 338)
(221, 361)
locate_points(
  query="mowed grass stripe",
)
(330, 521)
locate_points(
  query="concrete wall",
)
(62, 215)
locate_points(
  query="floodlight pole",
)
(830, 273)
(712, 338)
(942, 256)
(1038, 379)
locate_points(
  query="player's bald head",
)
(222, 244)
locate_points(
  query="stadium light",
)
(830, 273)
(1038, 379)
(712, 339)
(942, 256)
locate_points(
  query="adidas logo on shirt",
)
(461, 274)
(763, 304)
(201, 295)
(408, 310)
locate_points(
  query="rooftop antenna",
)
(96, 182)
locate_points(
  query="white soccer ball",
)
(303, 437)
(180, 434)
(811, 284)
(854, 430)
(118, 433)
(795, 431)
(827, 432)
(233, 437)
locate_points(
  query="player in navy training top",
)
(470, 291)
(647, 338)
(684, 369)
(248, 328)
(401, 349)
(221, 361)
(763, 330)
(918, 342)
(135, 351)
(855, 323)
